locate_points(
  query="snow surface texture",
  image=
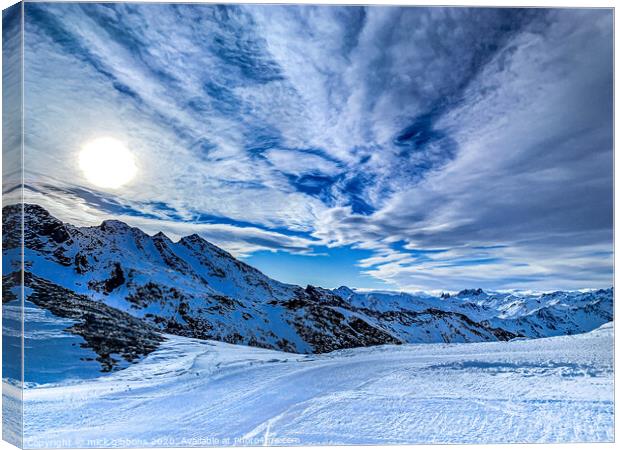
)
(195, 392)
(99, 299)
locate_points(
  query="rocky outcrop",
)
(110, 333)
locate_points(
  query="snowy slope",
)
(555, 389)
(54, 354)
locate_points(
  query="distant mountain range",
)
(125, 288)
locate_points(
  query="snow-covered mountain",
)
(193, 288)
(528, 315)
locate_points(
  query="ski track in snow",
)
(192, 392)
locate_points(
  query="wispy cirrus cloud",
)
(463, 146)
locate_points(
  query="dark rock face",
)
(149, 293)
(41, 226)
(470, 293)
(11, 227)
(107, 285)
(81, 263)
(106, 330)
(9, 284)
(326, 322)
(117, 278)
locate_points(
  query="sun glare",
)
(107, 163)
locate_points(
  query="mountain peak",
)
(38, 222)
(32, 213)
(197, 242)
(470, 293)
(113, 225)
(161, 236)
(344, 291)
(31, 208)
(194, 238)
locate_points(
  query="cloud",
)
(466, 267)
(11, 99)
(534, 176)
(300, 162)
(87, 208)
(463, 146)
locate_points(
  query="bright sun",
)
(107, 163)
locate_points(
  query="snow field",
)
(192, 392)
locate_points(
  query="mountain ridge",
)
(194, 288)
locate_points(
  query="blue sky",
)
(375, 147)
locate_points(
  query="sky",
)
(375, 147)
